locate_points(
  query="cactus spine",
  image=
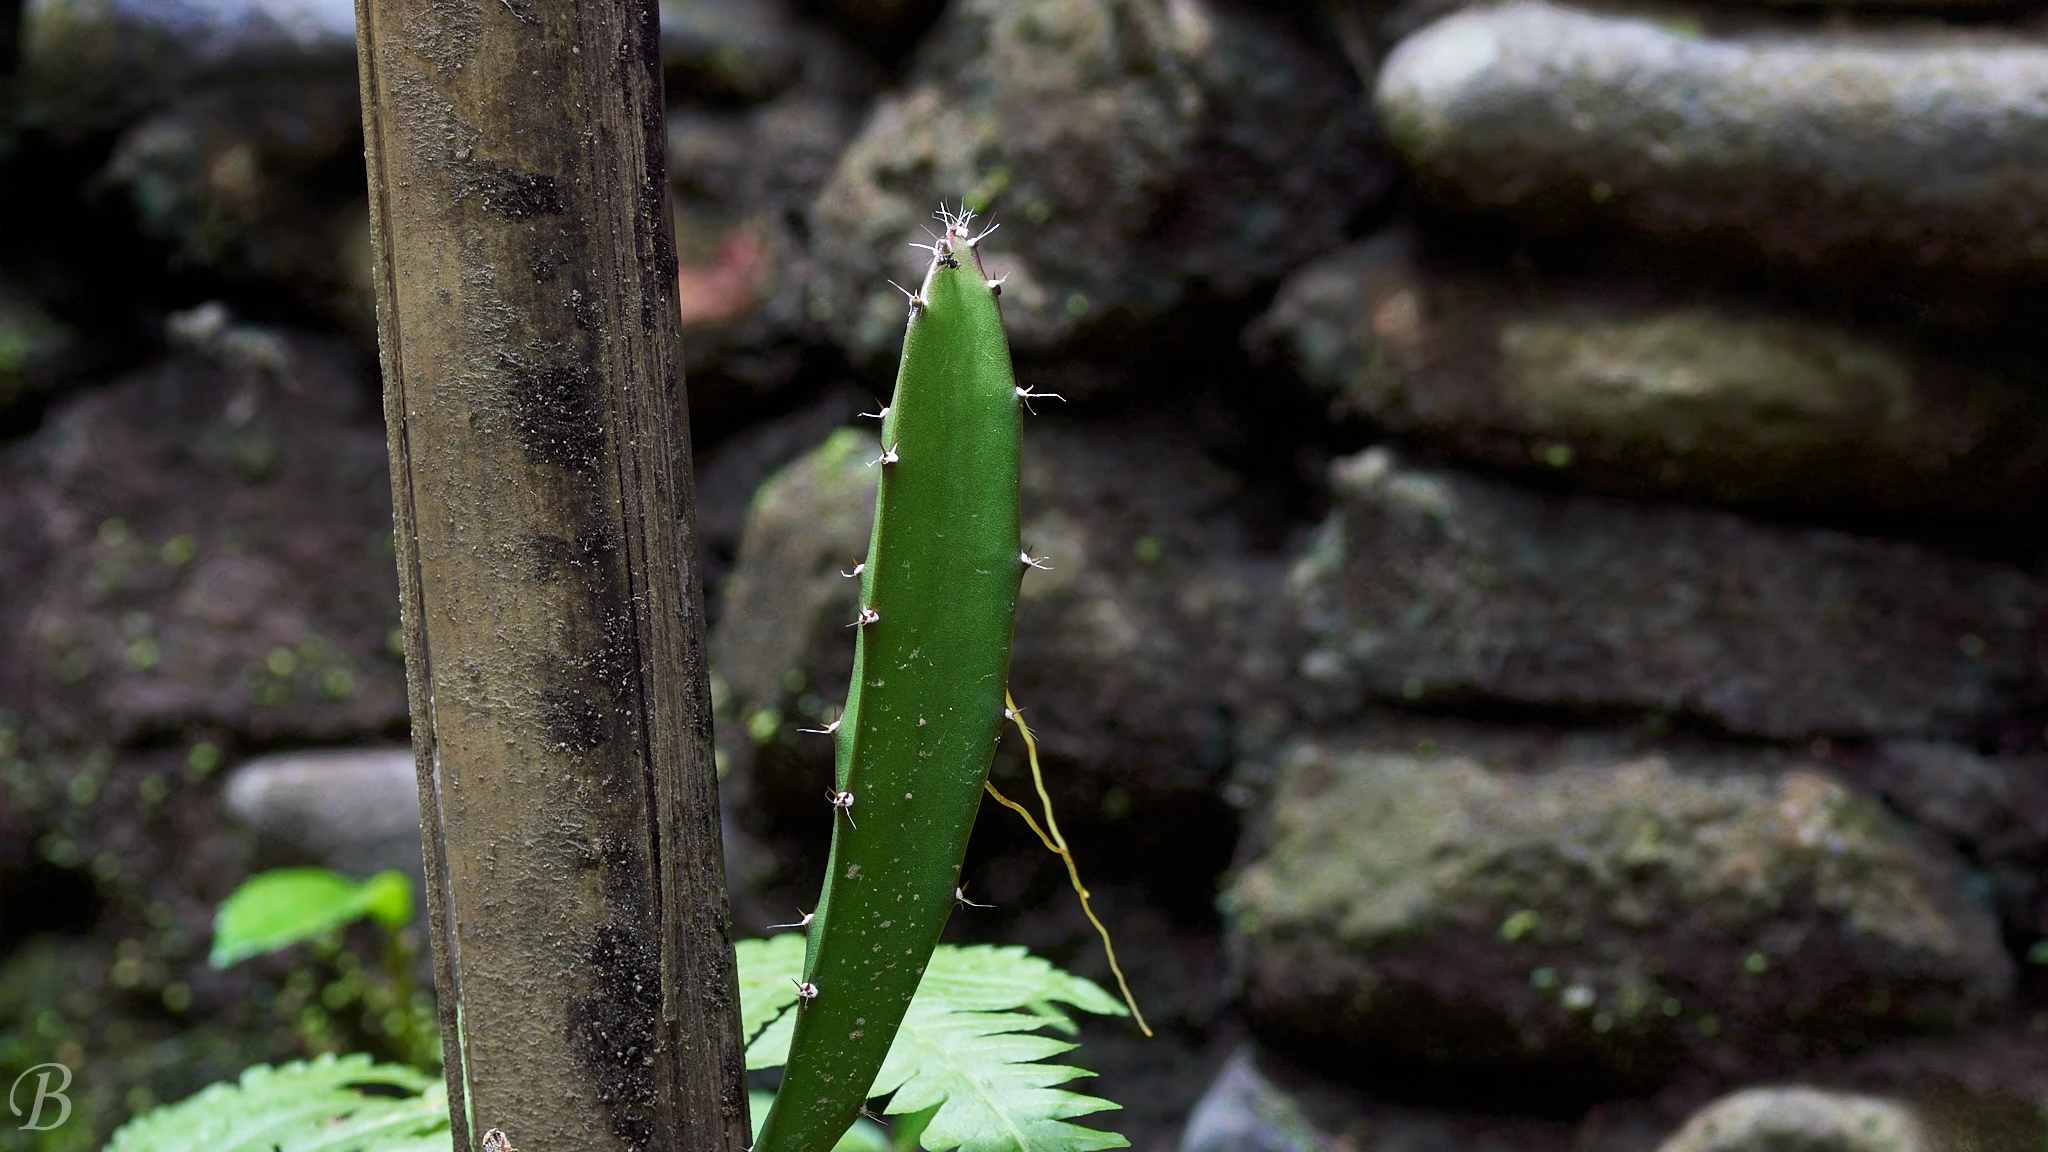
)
(938, 606)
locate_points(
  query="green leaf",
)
(969, 1046)
(987, 978)
(768, 970)
(982, 1070)
(387, 899)
(771, 1048)
(282, 907)
(304, 1106)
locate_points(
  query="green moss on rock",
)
(1800, 1120)
(1658, 388)
(1666, 914)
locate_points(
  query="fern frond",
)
(305, 1106)
(982, 1070)
(969, 1046)
(991, 978)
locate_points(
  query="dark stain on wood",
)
(559, 415)
(614, 1024)
(576, 719)
(511, 193)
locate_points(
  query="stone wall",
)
(1544, 621)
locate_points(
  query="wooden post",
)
(526, 291)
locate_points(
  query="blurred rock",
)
(1256, 1105)
(1438, 588)
(1244, 1112)
(1992, 809)
(729, 474)
(1136, 152)
(90, 65)
(34, 348)
(885, 26)
(1652, 389)
(718, 48)
(1152, 637)
(1799, 1120)
(205, 544)
(741, 181)
(1369, 29)
(805, 527)
(1981, 1089)
(752, 50)
(354, 810)
(1825, 149)
(258, 186)
(1593, 924)
(1992, 806)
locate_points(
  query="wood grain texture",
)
(547, 562)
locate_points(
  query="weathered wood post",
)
(526, 285)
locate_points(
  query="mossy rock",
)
(1656, 387)
(1601, 922)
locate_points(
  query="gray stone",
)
(1835, 149)
(1434, 587)
(721, 50)
(1243, 1111)
(1577, 923)
(1369, 29)
(1655, 389)
(1980, 1089)
(205, 544)
(354, 810)
(1133, 151)
(739, 178)
(1260, 1104)
(1993, 809)
(730, 473)
(1800, 1120)
(260, 185)
(87, 65)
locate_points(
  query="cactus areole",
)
(938, 606)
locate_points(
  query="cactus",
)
(938, 604)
